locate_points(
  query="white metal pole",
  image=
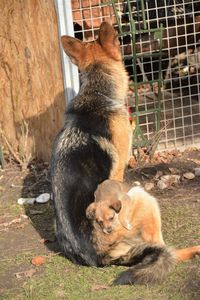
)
(70, 71)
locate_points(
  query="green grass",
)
(60, 279)
(64, 280)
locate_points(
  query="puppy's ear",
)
(109, 41)
(116, 205)
(90, 211)
(125, 218)
(74, 48)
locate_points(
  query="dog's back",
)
(94, 143)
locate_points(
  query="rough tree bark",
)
(31, 84)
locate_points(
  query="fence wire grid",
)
(180, 66)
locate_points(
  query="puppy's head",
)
(105, 214)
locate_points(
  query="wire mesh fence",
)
(160, 42)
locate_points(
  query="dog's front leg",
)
(121, 139)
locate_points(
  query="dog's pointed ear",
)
(109, 41)
(74, 48)
(90, 211)
(116, 205)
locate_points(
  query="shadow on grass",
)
(41, 215)
(38, 180)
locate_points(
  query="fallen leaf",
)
(132, 162)
(28, 273)
(97, 287)
(20, 226)
(19, 275)
(15, 221)
(38, 260)
(46, 241)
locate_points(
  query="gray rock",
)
(161, 185)
(149, 186)
(197, 171)
(189, 175)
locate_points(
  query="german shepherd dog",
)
(127, 230)
(94, 143)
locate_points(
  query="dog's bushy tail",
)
(151, 264)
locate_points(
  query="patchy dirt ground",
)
(28, 231)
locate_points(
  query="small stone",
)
(136, 183)
(24, 216)
(189, 175)
(197, 171)
(149, 186)
(165, 178)
(43, 198)
(174, 171)
(170, 179)
(23, 201)
(161, 185)
(176, 178)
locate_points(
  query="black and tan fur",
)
(94, 142)
(127, 231)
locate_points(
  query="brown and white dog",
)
(127, 230)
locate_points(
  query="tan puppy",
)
(127, 230)
(123, 213)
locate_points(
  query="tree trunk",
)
(31, 84)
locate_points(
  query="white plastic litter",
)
(43, 198)
(23, 201)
